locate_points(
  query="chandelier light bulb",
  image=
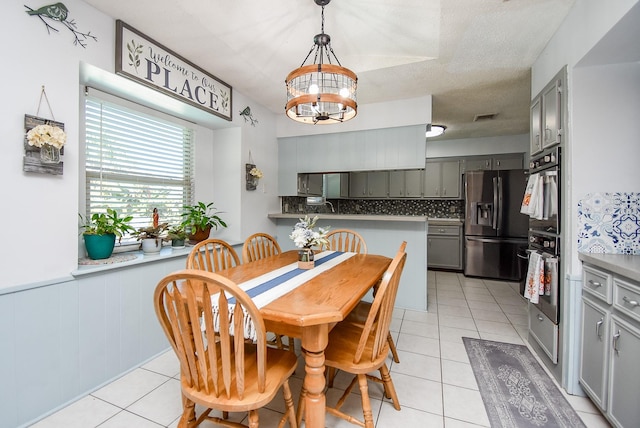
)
(313, 89)
(344, 92)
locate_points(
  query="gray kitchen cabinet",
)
(405, 183)
(444, 247)
(611, 344)
(369, 184)
(493, 162)
(442, 179)
(480, 163)
(624, 409)
(535, 126)
(310, 184)
(547, 114)
(595, 331)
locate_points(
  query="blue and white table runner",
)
(268, 287)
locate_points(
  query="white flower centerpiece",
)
(305, 237)
(50, 139)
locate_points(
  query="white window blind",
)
(135, 163)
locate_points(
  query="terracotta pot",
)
(199, 235)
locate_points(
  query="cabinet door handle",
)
(598, 325)
(540, 318)
(616, 337)
(594, 283)
(630, 302)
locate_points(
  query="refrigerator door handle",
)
(496, 206)
(499, 210)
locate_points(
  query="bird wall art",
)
(58, 12)
(246, 114)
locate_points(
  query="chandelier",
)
(321, 92)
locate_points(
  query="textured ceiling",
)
(473, 56)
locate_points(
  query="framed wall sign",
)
(140, 58)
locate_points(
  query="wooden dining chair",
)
(362, 349)
(359, 316)
(346, 240)
(258, 246)
(218, 371)
(212, 255)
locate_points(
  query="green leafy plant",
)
(177, 232)
(201, 216)
(106, 223)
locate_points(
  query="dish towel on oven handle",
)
(532, 202)
(551, 277)
(534, 285)
(268, 287)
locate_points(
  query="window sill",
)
(165, 254)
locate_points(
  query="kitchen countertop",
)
(364, 217)
(622, 264)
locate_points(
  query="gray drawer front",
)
(444, 230)
(597, 283)
(626, 298)
(544, 332)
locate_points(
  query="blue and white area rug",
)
(515, 389)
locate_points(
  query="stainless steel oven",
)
(548, 245)
(547, 166)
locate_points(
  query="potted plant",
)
(199, 219)
(100, 231)
(151, 237)
(178, 235)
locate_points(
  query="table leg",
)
(314, 342)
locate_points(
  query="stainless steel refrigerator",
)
(495, 230)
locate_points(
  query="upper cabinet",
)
(309, 184)
(405, 183)
(494, 162)
(442, 179)
(369, 184)
(548, 110)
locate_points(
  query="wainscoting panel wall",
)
(64, 340)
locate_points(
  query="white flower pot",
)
(151, 246)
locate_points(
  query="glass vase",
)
(305, 258)
(49, 154)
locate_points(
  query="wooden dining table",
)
(310, 311)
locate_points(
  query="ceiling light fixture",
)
(434, 130)
(321, 92)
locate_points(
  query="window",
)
(135, 163)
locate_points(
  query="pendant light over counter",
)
(321, 92)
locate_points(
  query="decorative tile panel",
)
(609, 223)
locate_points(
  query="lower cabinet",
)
(611, 346)
(444, 249)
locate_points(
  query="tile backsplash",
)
(609, 223)
(426, 207)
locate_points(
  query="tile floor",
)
(434, 379)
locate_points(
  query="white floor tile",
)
(408, 417)
(86, 412)
(420, 316)
(419, 329)
(500, 328)
(454, 310)
(457, 322)
(453, 351)
(422, 366)
(125, 419)
(454, 423)
(458, 374)
(162, 405)
(418, 394)
(483, 314)
(451, 334)
(464, 404)
(418, 345)
(166, 364)
(130, 387)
